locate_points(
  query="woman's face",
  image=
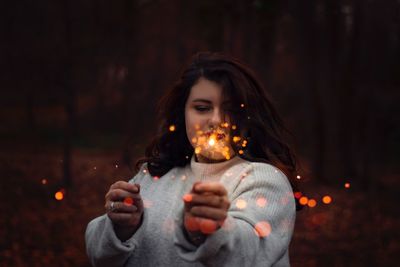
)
(207, 128)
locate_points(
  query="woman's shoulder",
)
(265, 172)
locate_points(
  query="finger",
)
(207, 200)
(132, 188)
(120, 195)
(213, 187)
(208, 212)
(124, 219)
(120, 207)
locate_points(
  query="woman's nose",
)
(216, 118)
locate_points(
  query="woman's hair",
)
(250, 110)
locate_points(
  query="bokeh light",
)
(44, 181)
(128, 201)
(241, 204)
(326, 199)
(172, 128)
(188, 197)
(303, 200)
(262, 229)
(207, 226)
(312, 203)
(347, 185)
(59, 195)
(261, 202)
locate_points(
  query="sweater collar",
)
(211, 171)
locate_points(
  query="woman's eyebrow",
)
(202, 100)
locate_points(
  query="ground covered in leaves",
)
(355, 229)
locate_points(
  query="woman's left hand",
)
(206, 208)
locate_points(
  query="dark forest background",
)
(80, 81)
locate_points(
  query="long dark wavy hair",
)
(250, 109)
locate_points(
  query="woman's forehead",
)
(206, 90)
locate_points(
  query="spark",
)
(211, 142)
(172, 128)
(236, 139)
(242, 105)
(241, 152)
(347, 185)
(298, 177)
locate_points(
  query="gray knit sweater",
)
(257, 231)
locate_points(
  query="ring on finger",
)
(112, 206)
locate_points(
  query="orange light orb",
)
(347, 185)
(128, 201)
(326, 199)
(59, 195)
(303, 200)
(312, 203)
(241, 152)
(172, 128)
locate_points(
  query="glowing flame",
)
(211, 142)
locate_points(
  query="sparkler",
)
(216, 144)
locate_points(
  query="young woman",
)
(214, 187)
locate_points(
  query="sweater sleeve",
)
(103, 246)
(259, 226)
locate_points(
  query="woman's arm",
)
(111, 238)
(259, 226)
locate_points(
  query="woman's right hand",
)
(124, 207)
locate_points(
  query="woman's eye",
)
(202, 108)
